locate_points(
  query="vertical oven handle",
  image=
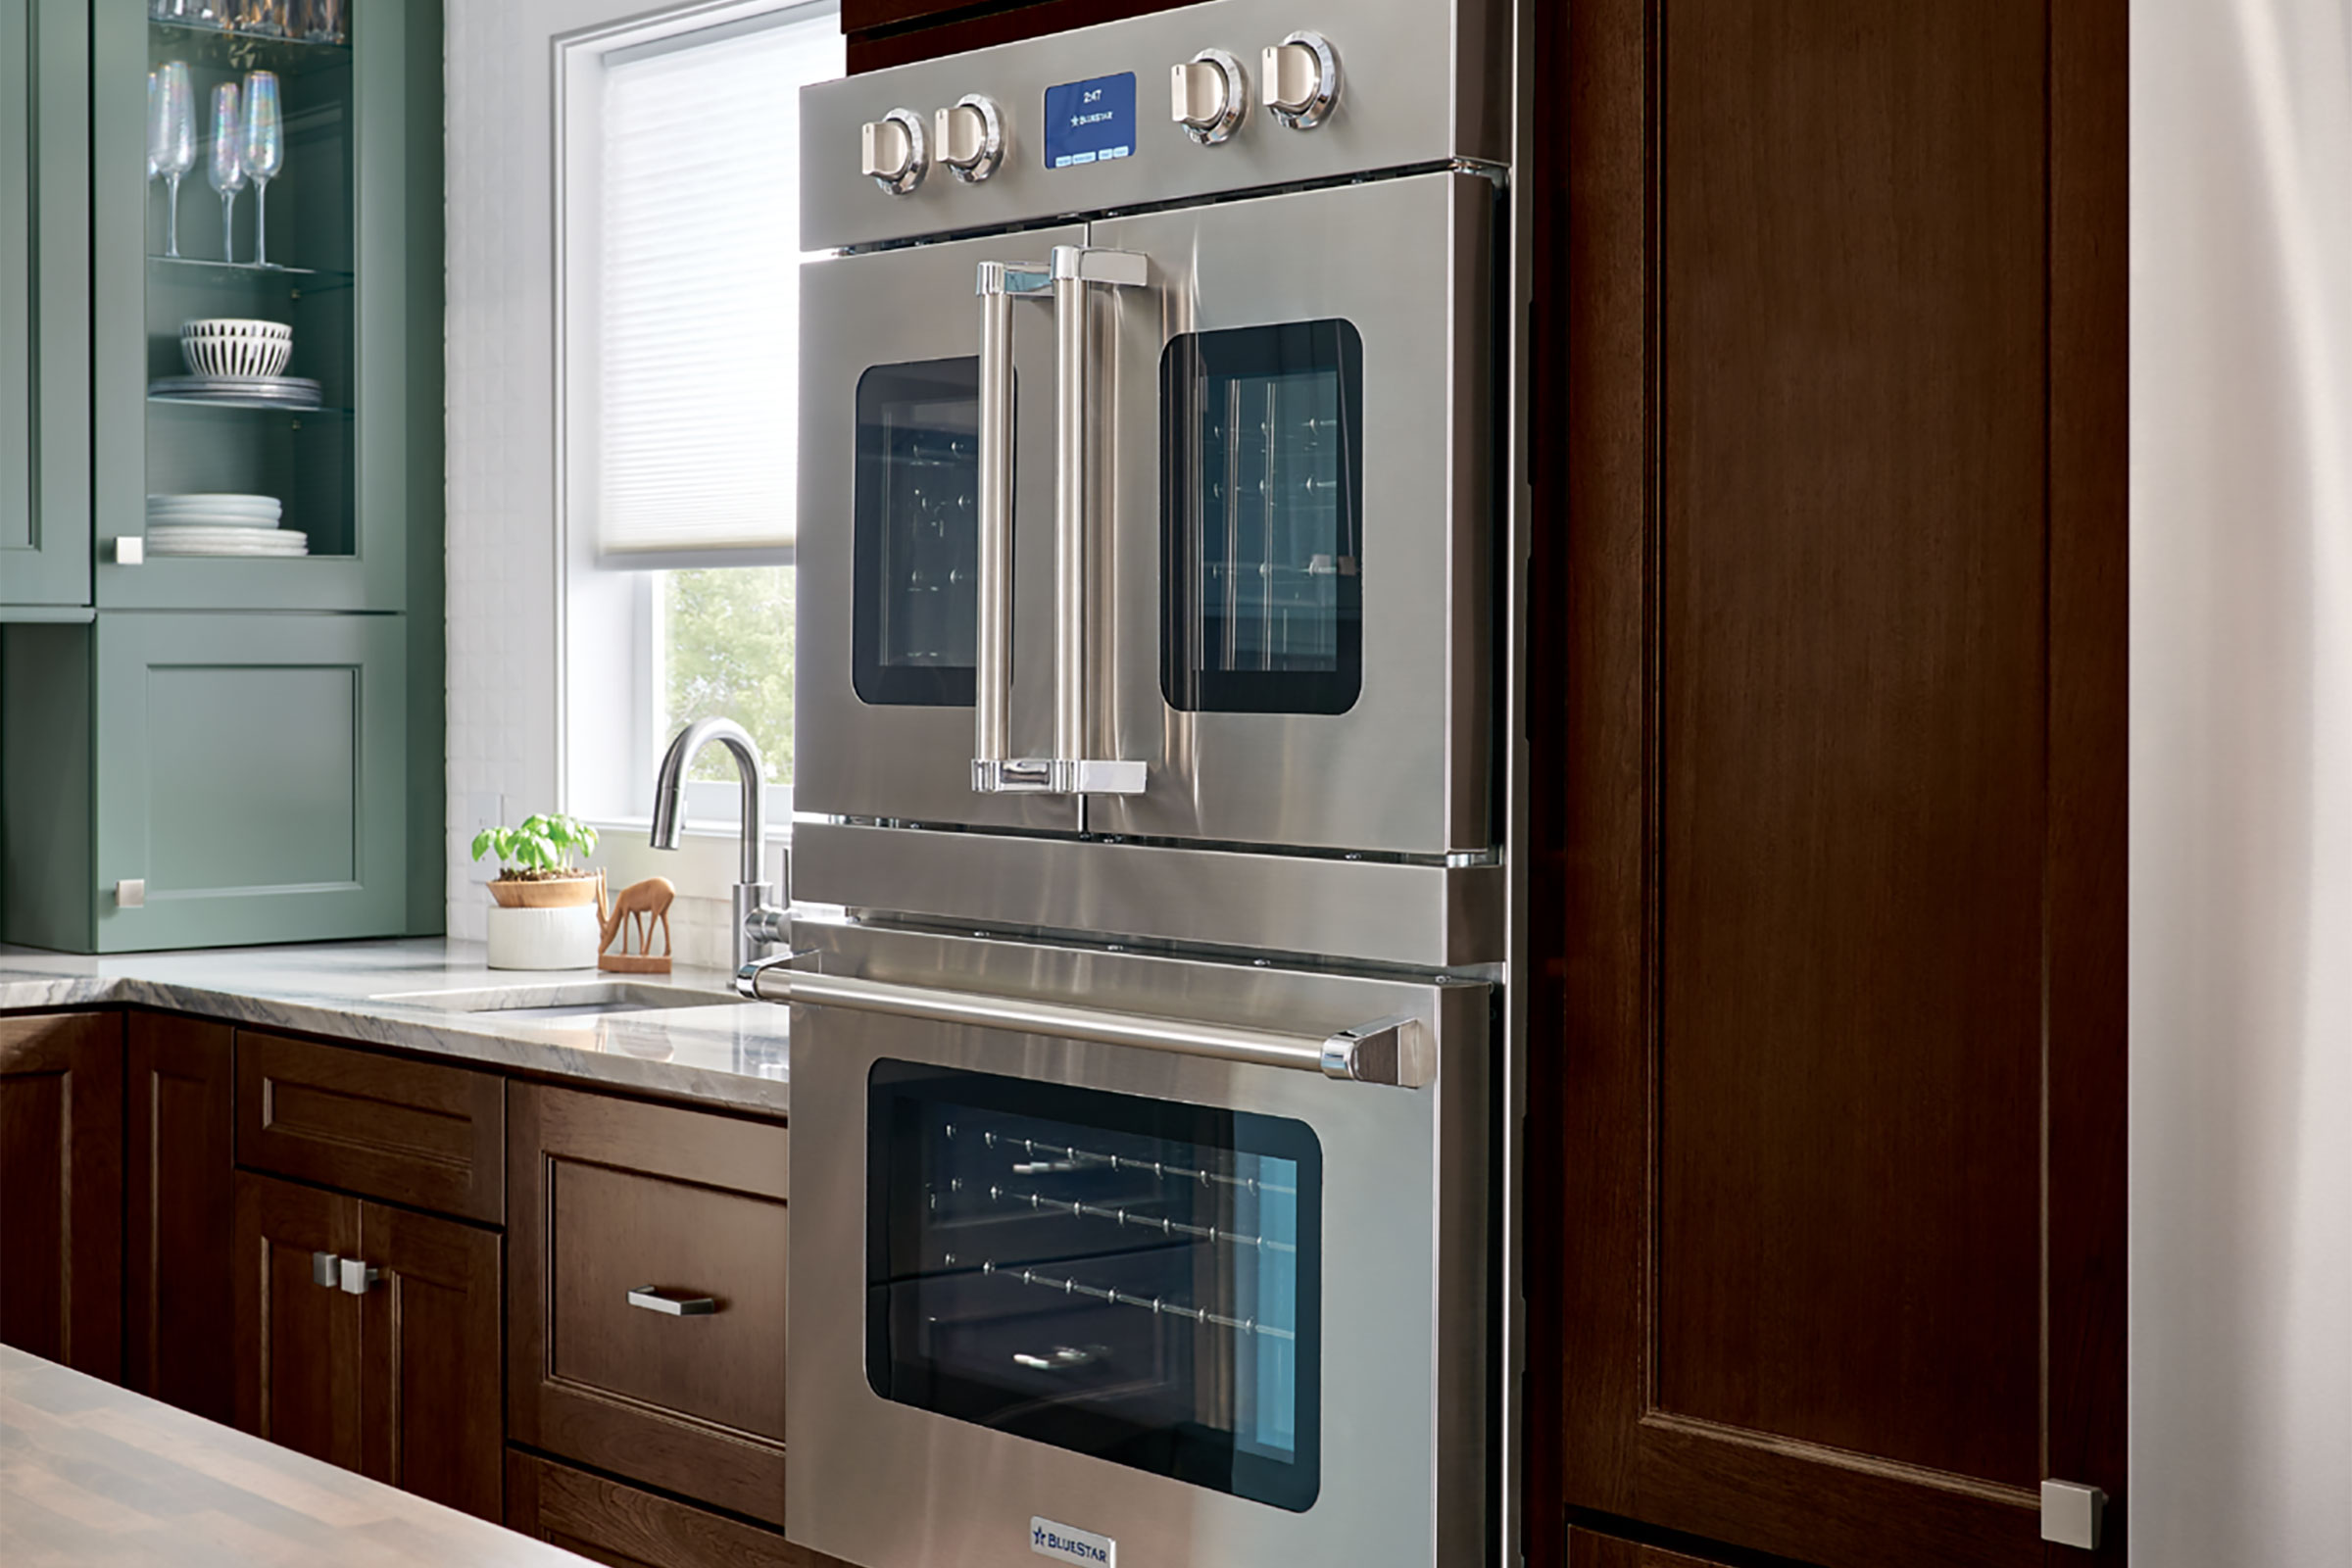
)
(1074, 270)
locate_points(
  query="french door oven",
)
(1265, 424)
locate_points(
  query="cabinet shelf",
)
(328, 412)
(218, 49)
(197, 269)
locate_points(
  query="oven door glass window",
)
(1261, 519)
(917, 534)
(1131, 1279)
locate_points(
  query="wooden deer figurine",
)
(639, 907)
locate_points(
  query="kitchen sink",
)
(562, 999)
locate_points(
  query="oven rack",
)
(1157, 1167)
(1214, 1235)
(1248, 1327)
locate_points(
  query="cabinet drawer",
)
(610, 1523)
(411, 1132)
(613, 1196)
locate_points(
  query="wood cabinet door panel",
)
(180, 1252)
(429, 1339)
(612, 1193)
(622, 1527)
(298, 1342)
(1588, 1550)
(61, 1188)
(1828, 673)
(413, 1132)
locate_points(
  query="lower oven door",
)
(1062, 1296)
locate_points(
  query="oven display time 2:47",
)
(1090, 122)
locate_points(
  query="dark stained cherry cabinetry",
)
(613, 1195)
(1587, 1549)
(369, 1339)
(1829, 626)
(61, 1188)
(622, 1527)
(892, 32)
(180, 1206)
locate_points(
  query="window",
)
(679, 212)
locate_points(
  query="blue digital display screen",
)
(1090, 122)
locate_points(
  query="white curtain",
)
(2241, 785)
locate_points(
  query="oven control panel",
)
(1071, 123)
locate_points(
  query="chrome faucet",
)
(760, 921)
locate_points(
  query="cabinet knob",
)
(358, 1276)
(323, 1269)
(130, 550)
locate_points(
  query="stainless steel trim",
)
(651, 1300)
(1391, 1050)
(1366, 911)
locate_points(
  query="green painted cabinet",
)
(351, 231)
(204, 780)
(44, 307)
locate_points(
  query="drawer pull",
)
(675, 1304)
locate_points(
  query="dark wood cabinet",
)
(1588, 1550)
(369, 1337)
(893, 32)
(613, 1195)
(179, 1208)
(1828, 703)
(622, 1527)
(411, 1132)
(61, 1188)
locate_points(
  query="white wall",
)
(2241, 785)
(503, 581)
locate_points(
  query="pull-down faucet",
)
(759, 921)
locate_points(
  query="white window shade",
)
(697, 288)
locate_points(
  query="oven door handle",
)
(1074, 271)
(1393, 1050)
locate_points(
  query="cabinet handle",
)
(672, 1303)
(323, 1269)
(358, 1276)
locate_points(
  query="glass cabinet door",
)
(1134, 1279)
(251, 328)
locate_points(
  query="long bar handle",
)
(1387, 1051)
(998, 285)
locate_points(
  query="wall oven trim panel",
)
(1403, 1283)
(857, 758)
(1368, 912)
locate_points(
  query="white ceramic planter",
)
(544, 939)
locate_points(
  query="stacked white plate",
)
(220, 526)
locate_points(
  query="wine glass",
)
(264, 152)
(171, 137)
(228, 169)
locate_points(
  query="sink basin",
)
(562, 999)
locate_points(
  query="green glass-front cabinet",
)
(44, 310)
(241, 740)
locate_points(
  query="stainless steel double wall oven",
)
(1152, 741)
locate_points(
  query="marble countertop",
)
(90, 1473)
(430, 996)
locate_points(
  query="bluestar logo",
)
(1050, 1540)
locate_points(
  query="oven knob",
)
(970, 137)
(1301, 80)
(895, 152)
(1208, 96)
